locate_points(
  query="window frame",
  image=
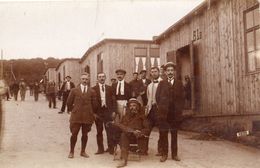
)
(246, 32)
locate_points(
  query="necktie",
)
(119, 89)
(103, 89)
(84, 90)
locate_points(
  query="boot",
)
(122, 164)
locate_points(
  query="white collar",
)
(122, 81)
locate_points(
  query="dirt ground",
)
(38, 137)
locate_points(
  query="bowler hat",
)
(68, 76)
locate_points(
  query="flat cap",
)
(121, 70)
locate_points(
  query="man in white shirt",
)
(122, 92)
(104, 113)
(152, 108)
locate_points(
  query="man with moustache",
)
(145, 83)
(152, 107)
(170, 101)
(65, 90)
(137, 122)
(105, 112)
(83, 102)
(122, 92)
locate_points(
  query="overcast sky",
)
(68, 28)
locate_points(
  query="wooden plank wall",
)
(225, 88)
(115, 55)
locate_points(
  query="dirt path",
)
(37, 137)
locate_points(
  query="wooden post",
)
(192, 76)
(2, 65)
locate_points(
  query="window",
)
(100, 62)
(252, 38)
(155, 57)
(140, 59)
(87, 69)
(64, 74)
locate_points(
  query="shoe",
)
(83, 154)
(71, 155)
(176, 158)
(158, 154)
(163, 158)
(60, 112)
(99, 152)
(122, 164)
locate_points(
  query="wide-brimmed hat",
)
(120, 70)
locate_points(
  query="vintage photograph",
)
(130, 83)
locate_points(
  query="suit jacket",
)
(127, 90)
(170, 100)
(72, 85)
(110, 101)
(82, 105)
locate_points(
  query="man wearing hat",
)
(22, 87)
(145, 83)
(170, 101)
(122, 92)
(136, 121)
(65, 90)
(82, 102)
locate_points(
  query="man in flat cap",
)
(170, 101)
(82, 101)
(65, 91)
(122, 92)
(135, 121)
(145, 83)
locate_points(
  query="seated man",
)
(135, 128)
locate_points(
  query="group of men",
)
(132, 108)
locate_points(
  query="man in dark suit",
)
(122, 92)
(105, 111)
(145, 83)
(65, 90)
(82, 102)
(170, 101)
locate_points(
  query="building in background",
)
(218, 46)
(68, 67)
(50, 74)
(111, 54)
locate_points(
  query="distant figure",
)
(51, 94)
(136, 85)
(113, 81)
(65, 90)
(36, 90)
(31, 85)
(145, 83)
(187, 90)
(15, 90)
(22, 87)
(7, 94)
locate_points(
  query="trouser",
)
(127, 139)
(121, 107)
(36, 96)
(144, 98)
(31, 92)
(64, 100)
(152, 123)
(74, 129)
(15, 96)
(165, 127)
(100, 124)
(52, 99)
(22, 93)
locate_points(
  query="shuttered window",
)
(252, 38)
(140, 59)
